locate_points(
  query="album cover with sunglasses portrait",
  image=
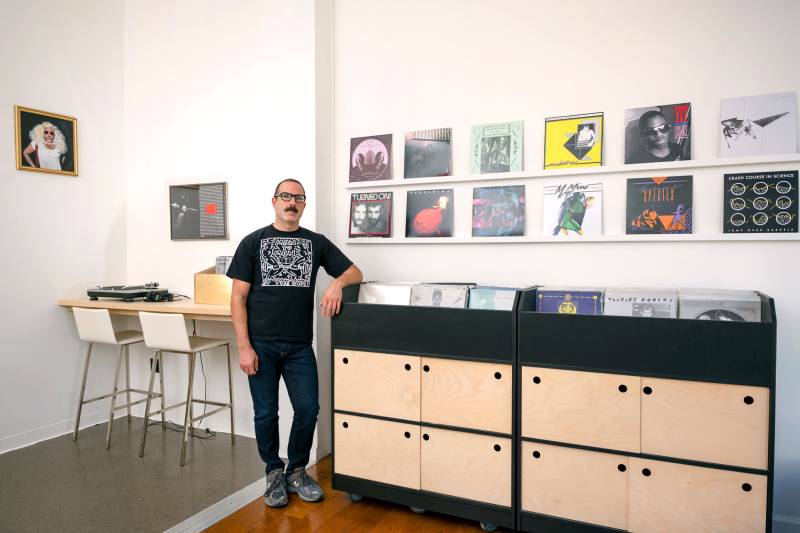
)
(46, 142)
(658, 133)
(760, 202)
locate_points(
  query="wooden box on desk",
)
(212, 288)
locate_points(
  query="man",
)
(274, 272)
(375, 222)
(654, 130)
(359, 219)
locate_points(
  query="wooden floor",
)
(337, 513)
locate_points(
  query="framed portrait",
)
(46, 142)
(198, 211)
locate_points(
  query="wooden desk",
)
(218, 313)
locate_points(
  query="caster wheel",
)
(418, 510)
(488, 526)
(356, 497)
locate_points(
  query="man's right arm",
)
(248, 360)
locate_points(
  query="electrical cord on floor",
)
(198, 433)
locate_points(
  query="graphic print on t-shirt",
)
(286, 262)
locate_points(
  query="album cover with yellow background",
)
(573, 141)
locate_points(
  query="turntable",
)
(128, 293)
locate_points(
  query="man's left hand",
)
(331, 302)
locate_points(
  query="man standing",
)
(274, 272)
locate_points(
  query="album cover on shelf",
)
(428, 153)
(572, 208)
(429, 213)
(385, 292)
(760, 202)
(371, 214)
(569, 300)
(489, 297)
(715, 304)
(498, 211)
(659, 205)
(758, 125)
(573, 141)
(430, 295)
(496, 148)
(658, 133)
(659, 303)
(371, 158)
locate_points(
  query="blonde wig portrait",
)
(37, 136)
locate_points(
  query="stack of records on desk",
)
(454, 295)
(718, 304)
(488, 297)
(570, 300)
(385, 292)
(660, 303)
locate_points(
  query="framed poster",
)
(46, 142)
(198, 211)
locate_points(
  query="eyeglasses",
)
(658, 129)
(287, 196)
(48, 132)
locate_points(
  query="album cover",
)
(727, 305)
(569, 301)
(658, 303)
(385, 292)
(573, 141)
(758, 125)
(498, 211)
(658, 133)
(496, 148)
(487, 297)
(430, 295)
(429, 213)
(659, 205)
(428, 153)
(371, 214)
(572, 208)
(371, 158)
(760, 202)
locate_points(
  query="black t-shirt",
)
(281, 268)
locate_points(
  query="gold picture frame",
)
(46, 142)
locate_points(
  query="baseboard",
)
(57, 429)
(221, 509)
(785, 524)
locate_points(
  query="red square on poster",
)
(211, 209)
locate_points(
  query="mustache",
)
(292, 209)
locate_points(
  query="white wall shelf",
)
(671, 166)
(749, 237)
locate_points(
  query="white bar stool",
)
(94, 326)
(166, 332)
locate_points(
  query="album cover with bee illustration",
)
(659, 205)
(760, 202)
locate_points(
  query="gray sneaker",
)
(275, 495)
(304, 485)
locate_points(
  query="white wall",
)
(60, 233)
(402, 66)
(214, 93)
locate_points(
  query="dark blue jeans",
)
(298, 366)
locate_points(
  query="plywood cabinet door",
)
(466, 465)
(466, 394)
(575, 484)
(587, 408)
(377, 450)
(669, 497)
(377, 384)
(710, 422)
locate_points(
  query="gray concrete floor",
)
(61, 485)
